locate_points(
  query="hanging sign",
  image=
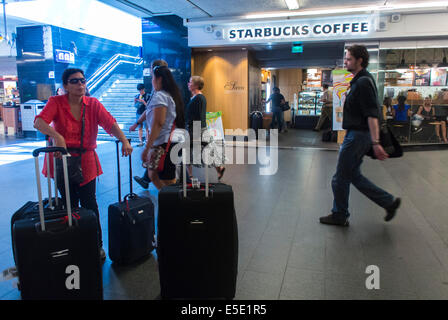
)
(63, 56)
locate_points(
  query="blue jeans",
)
(348, 171)
(277, 118)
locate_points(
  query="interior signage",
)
(297, 31)
(232, 85)
(64, 56)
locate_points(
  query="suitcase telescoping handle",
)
(184, 173)
(64, 153)
(50, 198)
(131, 193)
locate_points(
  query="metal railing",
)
(105, 70)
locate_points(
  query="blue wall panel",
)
(166, 38)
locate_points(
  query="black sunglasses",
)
(76, 80)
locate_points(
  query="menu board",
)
(327, 77)
(313, 78)
(406, 78)
(438, 77)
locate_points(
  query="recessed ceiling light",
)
(340, 10)
(292, 4)
(209, 50)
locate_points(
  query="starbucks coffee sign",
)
(298, 31)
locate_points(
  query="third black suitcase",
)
(131, 224)
(197, 246)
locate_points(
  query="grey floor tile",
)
(303, 284)
(259, 286)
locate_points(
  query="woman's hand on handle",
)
(126, 148)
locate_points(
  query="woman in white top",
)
(164, 112)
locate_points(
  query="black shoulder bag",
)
(285, 106)
(73, 162)
(387, 139)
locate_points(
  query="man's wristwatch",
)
(375, 142)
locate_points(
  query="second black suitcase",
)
(197, 245)
(130, 224)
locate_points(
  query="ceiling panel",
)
(228, 8)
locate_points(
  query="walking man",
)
(360, 119)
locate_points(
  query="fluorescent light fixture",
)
(391, 7)
(292, 4)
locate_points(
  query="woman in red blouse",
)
(65, 112)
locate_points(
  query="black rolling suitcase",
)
(256, 121)
(131, 224)
(30, 210)
(58, 255)
(197, 245)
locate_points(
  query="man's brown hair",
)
(359, 51)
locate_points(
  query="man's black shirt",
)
(361, 102)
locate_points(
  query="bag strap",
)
(380, 113)
(82, 127)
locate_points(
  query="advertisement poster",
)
(341, 82)
(422, 77)
(438, 77)
(214, 125)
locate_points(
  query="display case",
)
(309, 103)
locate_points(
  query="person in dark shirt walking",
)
(140, 101)
(277, 113)
(360, 119)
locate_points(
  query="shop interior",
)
(299, 70)
(417, 77)
(239, 80)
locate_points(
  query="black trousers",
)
(85, 197)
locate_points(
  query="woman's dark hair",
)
(140, 86)
(387, 101)
(169, 85)
(68, 72)
(358, 51)
(401, 100)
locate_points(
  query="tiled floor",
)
(284, 253)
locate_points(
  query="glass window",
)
(414, 90)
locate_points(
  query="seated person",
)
(428, 113)
(401, 111)
(400, 114)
